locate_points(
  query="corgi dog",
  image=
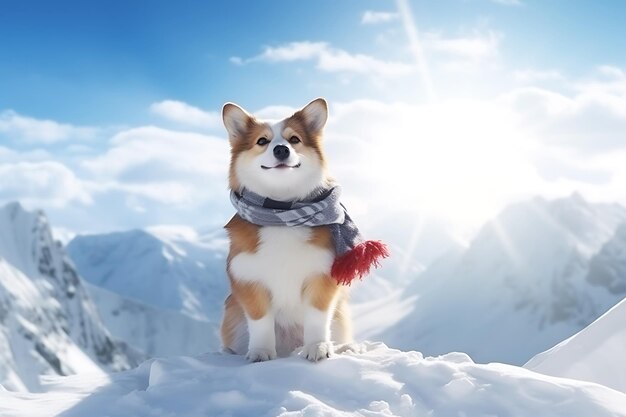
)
(282, 294)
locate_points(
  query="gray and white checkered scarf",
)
(322, 209)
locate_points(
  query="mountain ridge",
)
(48, 323)
(520, 286)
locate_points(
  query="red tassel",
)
(358, 261)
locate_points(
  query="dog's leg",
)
(234, 327)
(256, 301)
(262, 346)
(341, 327)
(319, 296)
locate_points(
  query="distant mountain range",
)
(536, 274)
(162, 290)
(155, 331)
(171, 268)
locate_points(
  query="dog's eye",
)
(262, 141)
(293, 140)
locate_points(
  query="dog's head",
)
(281, 160)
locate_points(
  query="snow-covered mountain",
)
(596, 353)
(171, 268)
(528, 280)
(154, 331)
(48, 324)
(379, 382)
(608, 268)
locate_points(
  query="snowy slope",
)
(172, 268)
(520, 287)
(48, 324)
(380, 382)
(151, 330)
(597, 353)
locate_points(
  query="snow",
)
(596, 353)
(521, 286)
(379, 382)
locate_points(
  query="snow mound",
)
(594, 354)
(379, 382)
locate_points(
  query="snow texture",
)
(379, 382)
(597, 353)
(48, 324)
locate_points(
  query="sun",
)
(460, 160)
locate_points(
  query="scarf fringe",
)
(358, 261)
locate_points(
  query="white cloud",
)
(481, 152)
(373, 17)
(509, 2)
(41, 183)
(11, 155)
(533, 75)
(275, 112)
(470, 48)
(591, 119)
(329, 59)
(174, 192)
(611, 71)
(186, 114)
(168, 166)
(31, 130)
(294, 51)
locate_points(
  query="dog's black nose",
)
(281, 152)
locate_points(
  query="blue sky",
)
(91, 63)
(103, 107)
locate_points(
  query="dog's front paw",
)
(317, 351)
(351, 347)
(260, 355)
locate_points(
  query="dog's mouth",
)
(282, 166)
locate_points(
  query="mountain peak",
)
(12, 206)
(577, 197)
(53, 323)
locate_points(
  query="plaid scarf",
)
(354, 257)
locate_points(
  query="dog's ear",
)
(315, 115)
(235, 120)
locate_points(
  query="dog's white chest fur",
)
(284, 260)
